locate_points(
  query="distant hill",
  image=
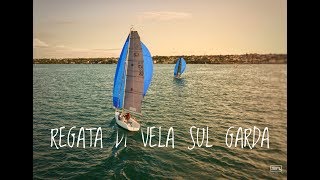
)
(205, 59)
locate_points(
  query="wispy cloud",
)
(64, 22)
(72, 49)
(63, 51)
(39, 43)
(163, 15)
(61, 46)
(112, 49)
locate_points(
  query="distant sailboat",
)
(179, 68)
(131, 82)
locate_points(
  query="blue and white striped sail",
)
(180, 66)
(133, 74)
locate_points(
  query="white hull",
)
(131, 125)
(178, 76)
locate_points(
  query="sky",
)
(99, 28)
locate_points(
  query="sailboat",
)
(179, 68)
(131, 81)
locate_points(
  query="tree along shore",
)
(202, 59)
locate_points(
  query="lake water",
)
(213, 96)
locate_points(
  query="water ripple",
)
(213, 96)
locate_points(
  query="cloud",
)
(63, 51)
(163, 15)
(87, 50)
(70, 49)
(111, 49)
(64, 22)
(61, 46)
(39, 43)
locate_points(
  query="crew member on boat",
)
(127, 116)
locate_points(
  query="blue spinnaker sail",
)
(182, 68)
(148, 68)
(120, 77)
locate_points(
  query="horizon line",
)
(169, 55)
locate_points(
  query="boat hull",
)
(133, 125)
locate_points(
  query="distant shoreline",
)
(199, 59)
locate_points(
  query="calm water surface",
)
(213, 96)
